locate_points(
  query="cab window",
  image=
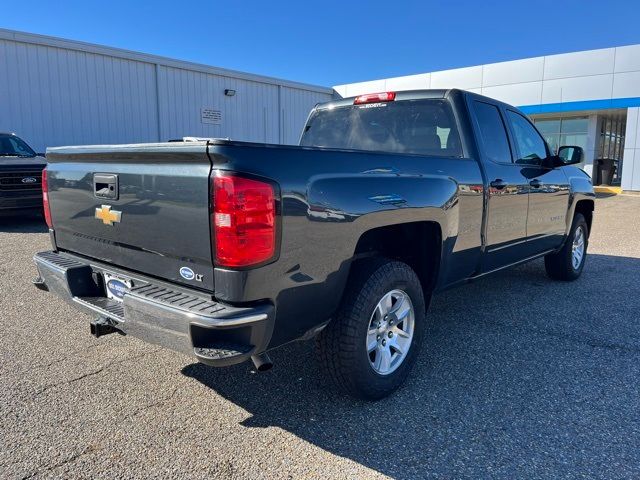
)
(531, 147)
(423, 127)
(492, 132)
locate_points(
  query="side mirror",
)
(570, 154)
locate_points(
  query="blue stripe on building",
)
(582, 105)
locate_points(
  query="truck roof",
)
(400, 95)
(410, 95)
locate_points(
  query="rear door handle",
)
(498, 183)
(535, 183)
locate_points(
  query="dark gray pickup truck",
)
(225, 250)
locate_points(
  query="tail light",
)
(45, 199)
(375, 98)
(244, 221)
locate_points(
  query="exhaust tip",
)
(262, 362)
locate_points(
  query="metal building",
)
(61, 92)
(589, 98)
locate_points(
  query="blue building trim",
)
(583, 105)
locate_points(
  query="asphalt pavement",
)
(520, 377)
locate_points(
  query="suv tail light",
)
(375, 98)
(45, 199)
(244, 221)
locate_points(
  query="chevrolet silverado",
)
(225, 250)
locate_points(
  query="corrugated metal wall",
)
(57, 92)
(51, 96)
(252, 114)
(295, 106)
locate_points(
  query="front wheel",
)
(568, 263)
(372, 343)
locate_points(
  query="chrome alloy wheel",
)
(390, 332)
(577, 249)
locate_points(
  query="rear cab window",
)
(423, 127)
(493, 133)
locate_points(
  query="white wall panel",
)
(631, 162)
(576, 89)
(464, 78)
(629, 169)
(341, 90)
(627, 58)
(517, 71)
(626, 85)
(410, 82)
(631, 134)
(361, 88)
(592, 62)
(518, 94)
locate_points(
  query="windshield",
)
(12, 146)
(424, 127)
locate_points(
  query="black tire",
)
(559, 265)
(341, 346)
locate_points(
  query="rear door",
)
(548, 187)
(143, 208)
(507, 203)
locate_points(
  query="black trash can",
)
(606, 169)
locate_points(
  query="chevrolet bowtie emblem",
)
(107, 215)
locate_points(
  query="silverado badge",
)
(107, 215)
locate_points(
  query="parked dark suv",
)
(20, 175)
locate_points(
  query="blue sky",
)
(332, 42)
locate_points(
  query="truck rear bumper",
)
(157, 312)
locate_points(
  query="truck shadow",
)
(520, 377)
(23, 223)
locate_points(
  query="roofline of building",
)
(415, 74)
(56, 42)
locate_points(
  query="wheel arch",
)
(586, 208)
(418, 244)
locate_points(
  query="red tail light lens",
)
(375, 98)
(244, 221)
(45, 199)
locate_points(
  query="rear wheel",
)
(568, 263)
(372, 343)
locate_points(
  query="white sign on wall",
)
(210, 116)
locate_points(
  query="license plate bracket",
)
(116, 286)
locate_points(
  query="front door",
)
(548, 187)
(506, 216)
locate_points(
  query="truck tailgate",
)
(157, 221)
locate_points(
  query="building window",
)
(612, 132)
(564, 131)
(610, 147)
